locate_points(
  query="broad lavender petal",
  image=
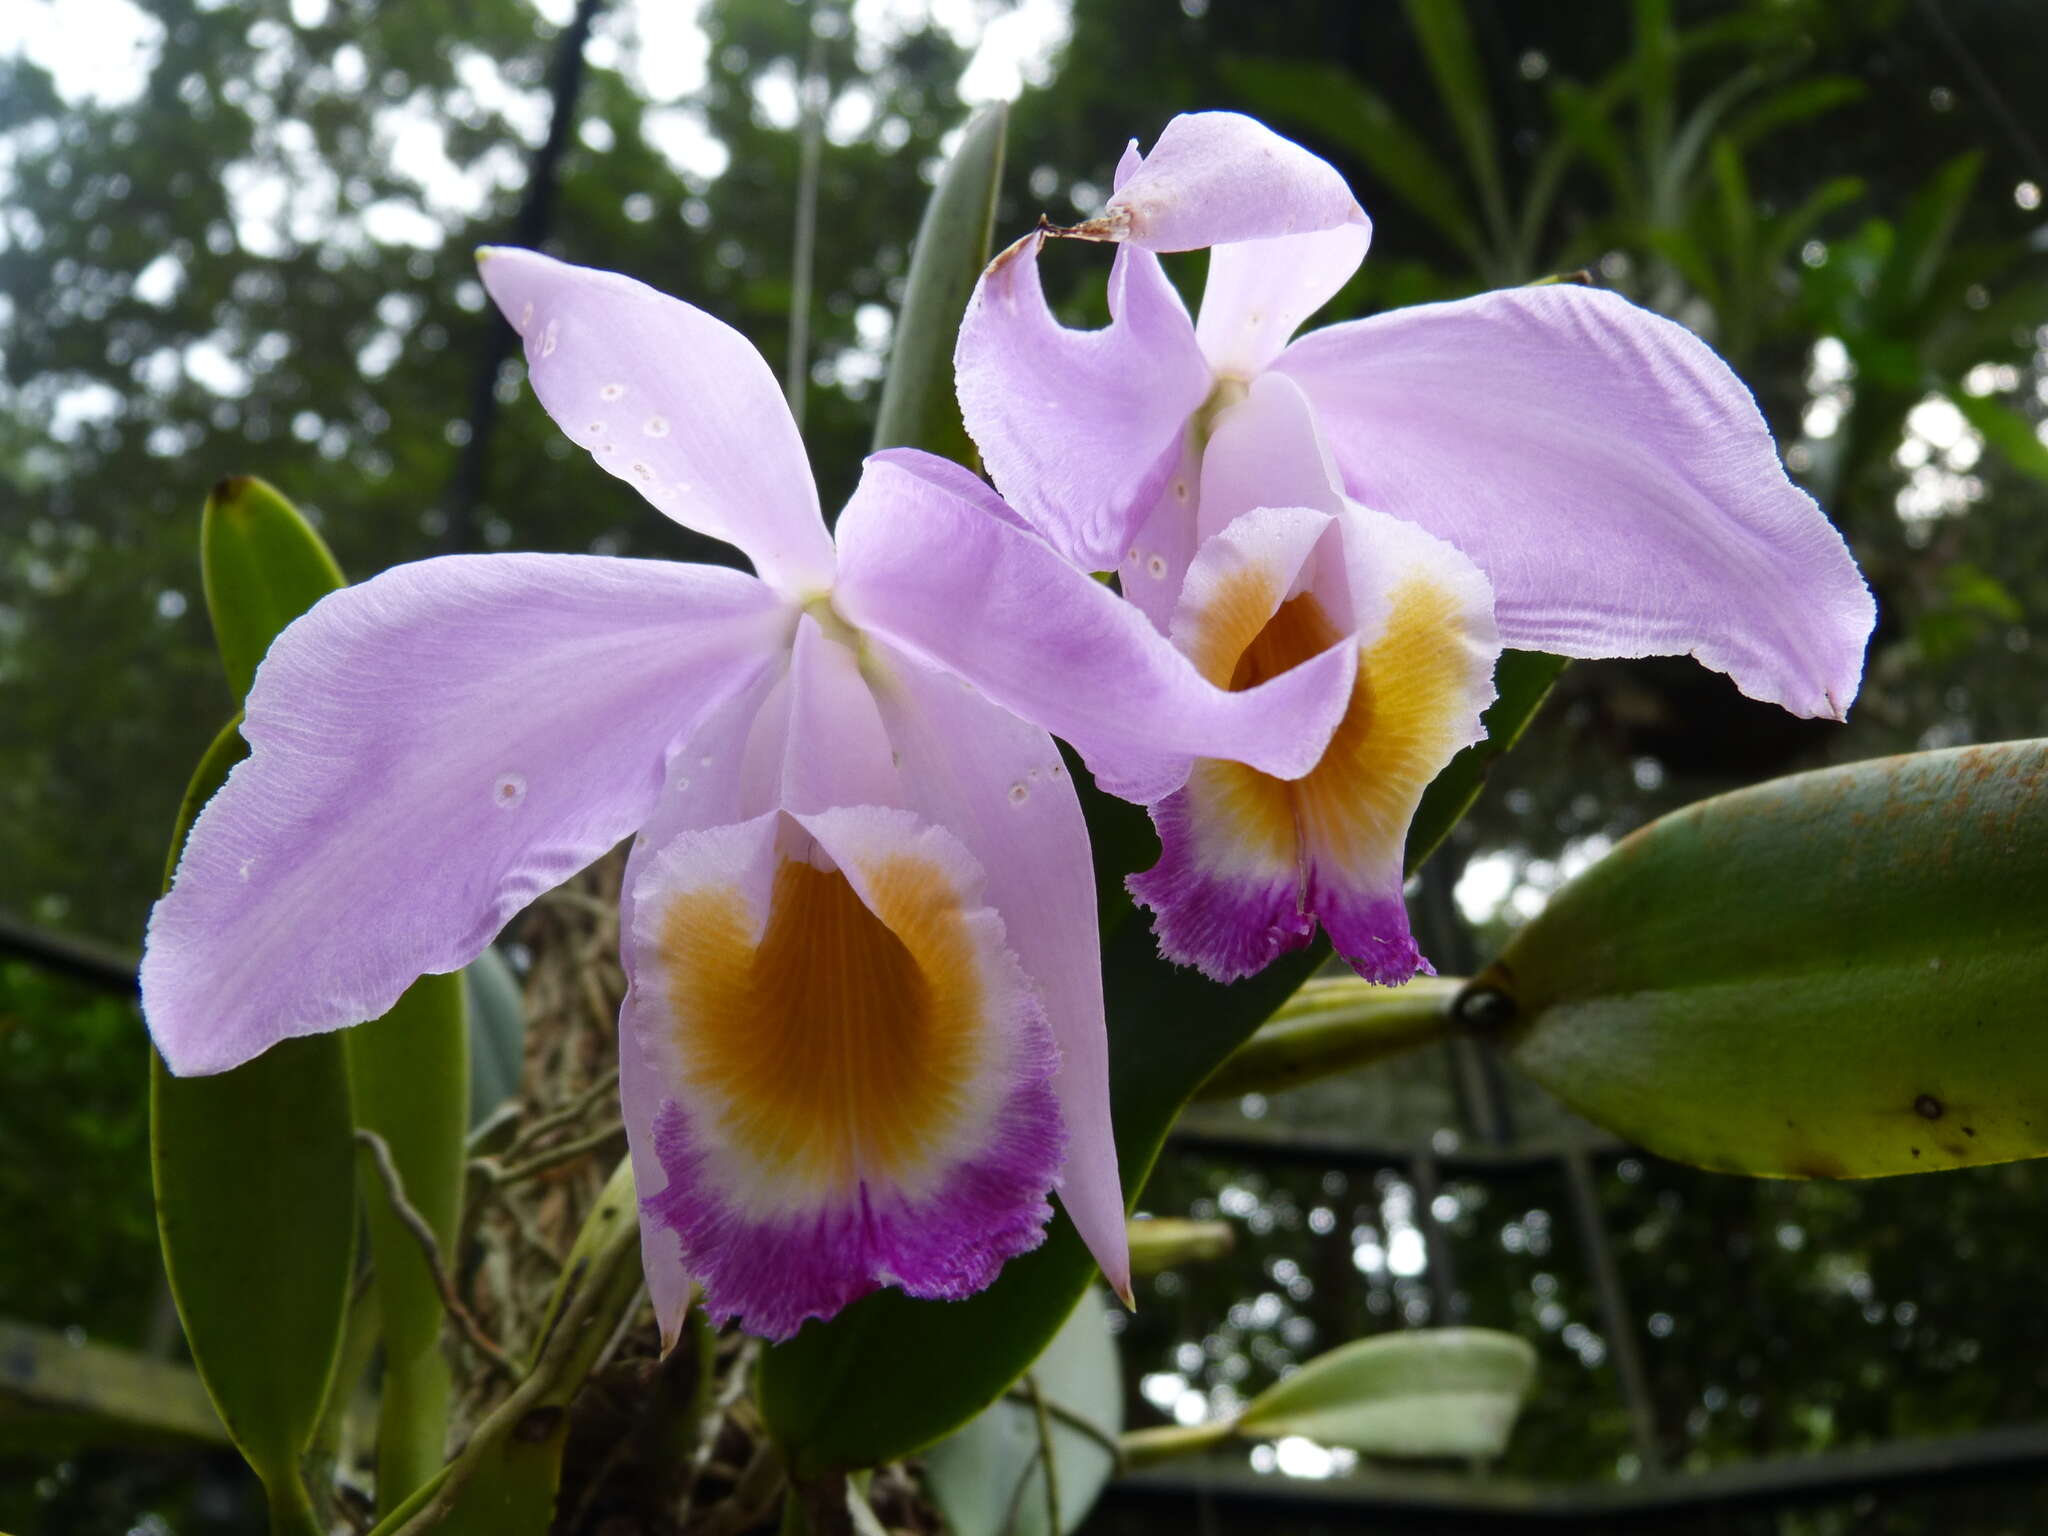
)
(429, 751)
(855, 1069)
(922, 567)
(1610, 475)
(1078, 428)
(675, 403)
(998, 784)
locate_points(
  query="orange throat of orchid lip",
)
(1360, 794)
(839, 1041)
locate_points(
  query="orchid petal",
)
(998, 785)
(926, 569)
(1078, 428)
(1259, 292)
(1610, 475)
(1215, 178)
(710, 782)
(1266, 451)
(1156, 564)
(675, 403)
(855, 1067)
(838, 751)
(429, 751)
(1228, 887)
(1249, 863)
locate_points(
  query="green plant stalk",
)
(503, 1482)
(1336, 1025)
(409, 1077)
(1144, 1447)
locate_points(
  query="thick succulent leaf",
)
(1835, 974)
(262, 566)
(919, 409)
(255, 1204)
(1424, 1392)
(988, 1478)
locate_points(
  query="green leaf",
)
(409, 1079)
(255, 1204)
(1445, 33)
(2010, 434)
(919, 409)
(1836, 974)
(262, 566)
(1332, 1025)
(1426, 1392)
(988, 1478)
(1925, 229)
(1422, 1392)
(497, 1033)
(1521, 681)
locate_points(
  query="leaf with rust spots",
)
(1805, 978)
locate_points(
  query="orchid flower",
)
(1548, 467)
(863, 1035)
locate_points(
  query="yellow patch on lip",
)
(1395, 734)
(839, 1047)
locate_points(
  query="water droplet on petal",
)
(1180, 490)
(656, 426)
(611, 392)
(596, 429)
(548, 338)
(682, 784)
(1156, 567)
(508, 791)
(706, 762)
(642, 470)
(525, 316)
(1019, 793)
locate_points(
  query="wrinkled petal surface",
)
(678, 405)
(1078, 428)
(857, 1072)
(429, 752)
(998, 784)
(1218, 177)
(1610, 475)
(922, 567)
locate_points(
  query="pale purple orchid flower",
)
(1549, 467)
(864, 1033)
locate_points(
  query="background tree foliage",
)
(260, 263)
